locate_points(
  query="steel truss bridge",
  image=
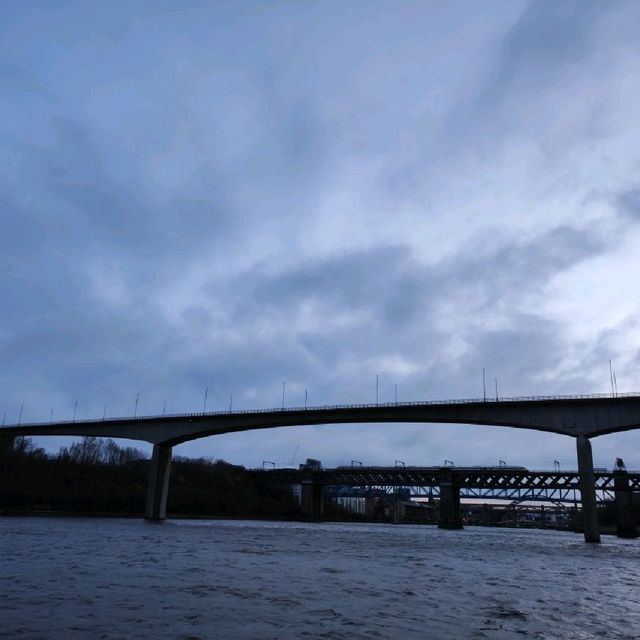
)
(478, 483)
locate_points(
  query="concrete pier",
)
(625, 526)
(587, 490)
(450, 517)
(311, 500)
(158, 488)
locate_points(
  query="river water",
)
(110, 578)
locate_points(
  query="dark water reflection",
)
(81, 578)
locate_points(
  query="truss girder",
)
(516, 495)
(511, 483)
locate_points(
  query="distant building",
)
(352, 504)
(311, 464)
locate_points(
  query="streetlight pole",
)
(611, 378)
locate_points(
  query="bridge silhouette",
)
(448, 484)
(581, 417)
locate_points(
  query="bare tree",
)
(91, 450)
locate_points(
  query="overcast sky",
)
(235, 194)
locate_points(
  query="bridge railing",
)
(415, 469)
(331, 407)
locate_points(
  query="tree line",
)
(98, 476)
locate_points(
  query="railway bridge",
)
(581, 417)
(448, 484)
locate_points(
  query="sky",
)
(233, 195)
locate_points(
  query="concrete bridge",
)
(581, 417)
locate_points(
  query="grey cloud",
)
(389, 278)
(628, 203)
(393, 302)
(102, 347)
(518, 102)
(547, 37)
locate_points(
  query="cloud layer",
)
(235, 196)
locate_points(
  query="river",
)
(190, 579)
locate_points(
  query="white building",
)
(353, 505)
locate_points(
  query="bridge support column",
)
(450, 517)
(158, 488)
(311, 500)
(625, 526)
(587, 490)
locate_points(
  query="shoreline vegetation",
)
(98, 478)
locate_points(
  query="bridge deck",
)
(589, 415)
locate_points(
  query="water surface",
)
(108, 578)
